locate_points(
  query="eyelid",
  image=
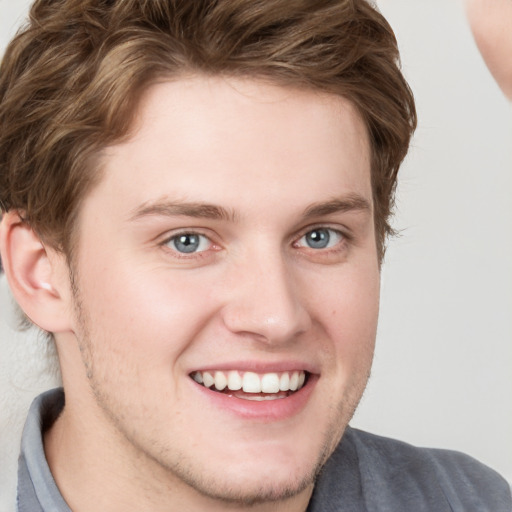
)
(173, 233)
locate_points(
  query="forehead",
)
(238, 141)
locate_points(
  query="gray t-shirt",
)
(366, 473)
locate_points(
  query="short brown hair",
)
(71, 79)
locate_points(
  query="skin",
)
(137, 433)
(491, 22)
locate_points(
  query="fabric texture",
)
(37, 490)
(366, 473)
(369, 473)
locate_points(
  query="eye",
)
(320, 238)
(188, 243)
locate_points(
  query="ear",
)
(37, 276)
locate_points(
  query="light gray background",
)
(443, 367)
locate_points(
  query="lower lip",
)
(266, 410)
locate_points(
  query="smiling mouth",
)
(251, 385)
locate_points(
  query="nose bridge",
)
(265, 301)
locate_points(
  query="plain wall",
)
(443, 367)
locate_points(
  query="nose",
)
(265, 302)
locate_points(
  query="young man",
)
(196, 199)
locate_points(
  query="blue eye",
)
(321, 238)
(188, 243)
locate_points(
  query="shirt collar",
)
(37, 490)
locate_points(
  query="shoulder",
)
(398, 456)
(405, 477)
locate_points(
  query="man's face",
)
(231, 237)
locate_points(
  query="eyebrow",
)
(353, 202)
(186, 209)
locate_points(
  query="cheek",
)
(145, 314)
(349, 308)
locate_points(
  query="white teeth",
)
(208, 380)
(251, 383)
(270, 383)
(234, 380)
(220, 381)
(284, 382)
(294, 381)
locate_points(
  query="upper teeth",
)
(251, 382)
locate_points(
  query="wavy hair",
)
(71, 79)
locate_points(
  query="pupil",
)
(186, 243)
(318, 239)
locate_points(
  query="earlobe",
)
(34, 274)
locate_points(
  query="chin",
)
(256, 486)
(253, 475)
